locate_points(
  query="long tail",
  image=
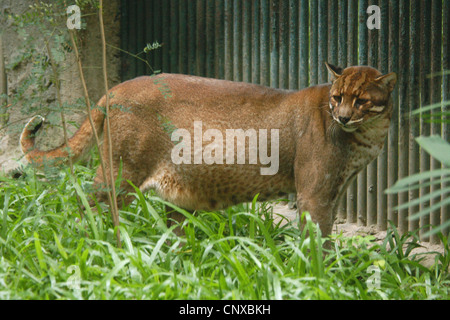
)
(80, 143)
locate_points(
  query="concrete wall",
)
(71, 88)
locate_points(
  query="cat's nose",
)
(344, 120)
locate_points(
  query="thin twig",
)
(114, 208)
(63, 118)
(89, 112)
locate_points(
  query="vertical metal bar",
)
(446, 97)
(352, 59)
(192, 37)
(274, 44)
(344, 24)
(414, 95)
(220, 40)
(372, 183)
(334, 31)
(201, 38)
(393, 130)
(403, 107)
(284, 45)
(229, 39)
(323, 41)
(140, 37)
(314, 38)
(256, 27)
(174, 35)
(363, 60)
(293, 44)
(124, 40)
(132, 41)
(210, 39)
(149, 34)
(157, 33)
(265, 49)
(337, 55)
(247, 41)
(425, 99)
(436, 83)
(363, 33)
(383, 158)
(165, 36)
(304, 44)
(183, 38)
(237, 40)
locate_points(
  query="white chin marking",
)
(347, 129)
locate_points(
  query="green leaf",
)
(405, 183)
(89, 213)
(437, 147)
(60, 247)
(39, 252)
(431, 107)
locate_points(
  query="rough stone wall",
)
(71, 88)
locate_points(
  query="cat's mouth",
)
(350, 126)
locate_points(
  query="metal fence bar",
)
(229, 39)
(323, 41)
(436, 83)
(183, 38)
(201, 38)
(237, 40)
(414, 95)
(192, 36)
(124, 69)
(274, 43)
(446, 97)
(304, 44)
(338, 55)
(157, 35)
(383, 66)
(293, 52)
(425, 100)
(393, 131)
(247, 41)
(174, 35)
(363, 60)
(256, 48)
(132, 44)
(352, 59)
(265, 43)
(210, 61)
(372, 183)
(284, 37)
(314, 44)
(165, 36)
(403, 109)
(219, 39)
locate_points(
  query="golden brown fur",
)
(318, 154)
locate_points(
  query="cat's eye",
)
(361, 102)
(338, 99)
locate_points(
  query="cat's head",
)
(359, 95)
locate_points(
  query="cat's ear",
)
(388, 81)
(335, 72)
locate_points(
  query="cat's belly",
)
(215, 187)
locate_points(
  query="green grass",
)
(48, 252)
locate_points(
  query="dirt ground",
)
(349, 230)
